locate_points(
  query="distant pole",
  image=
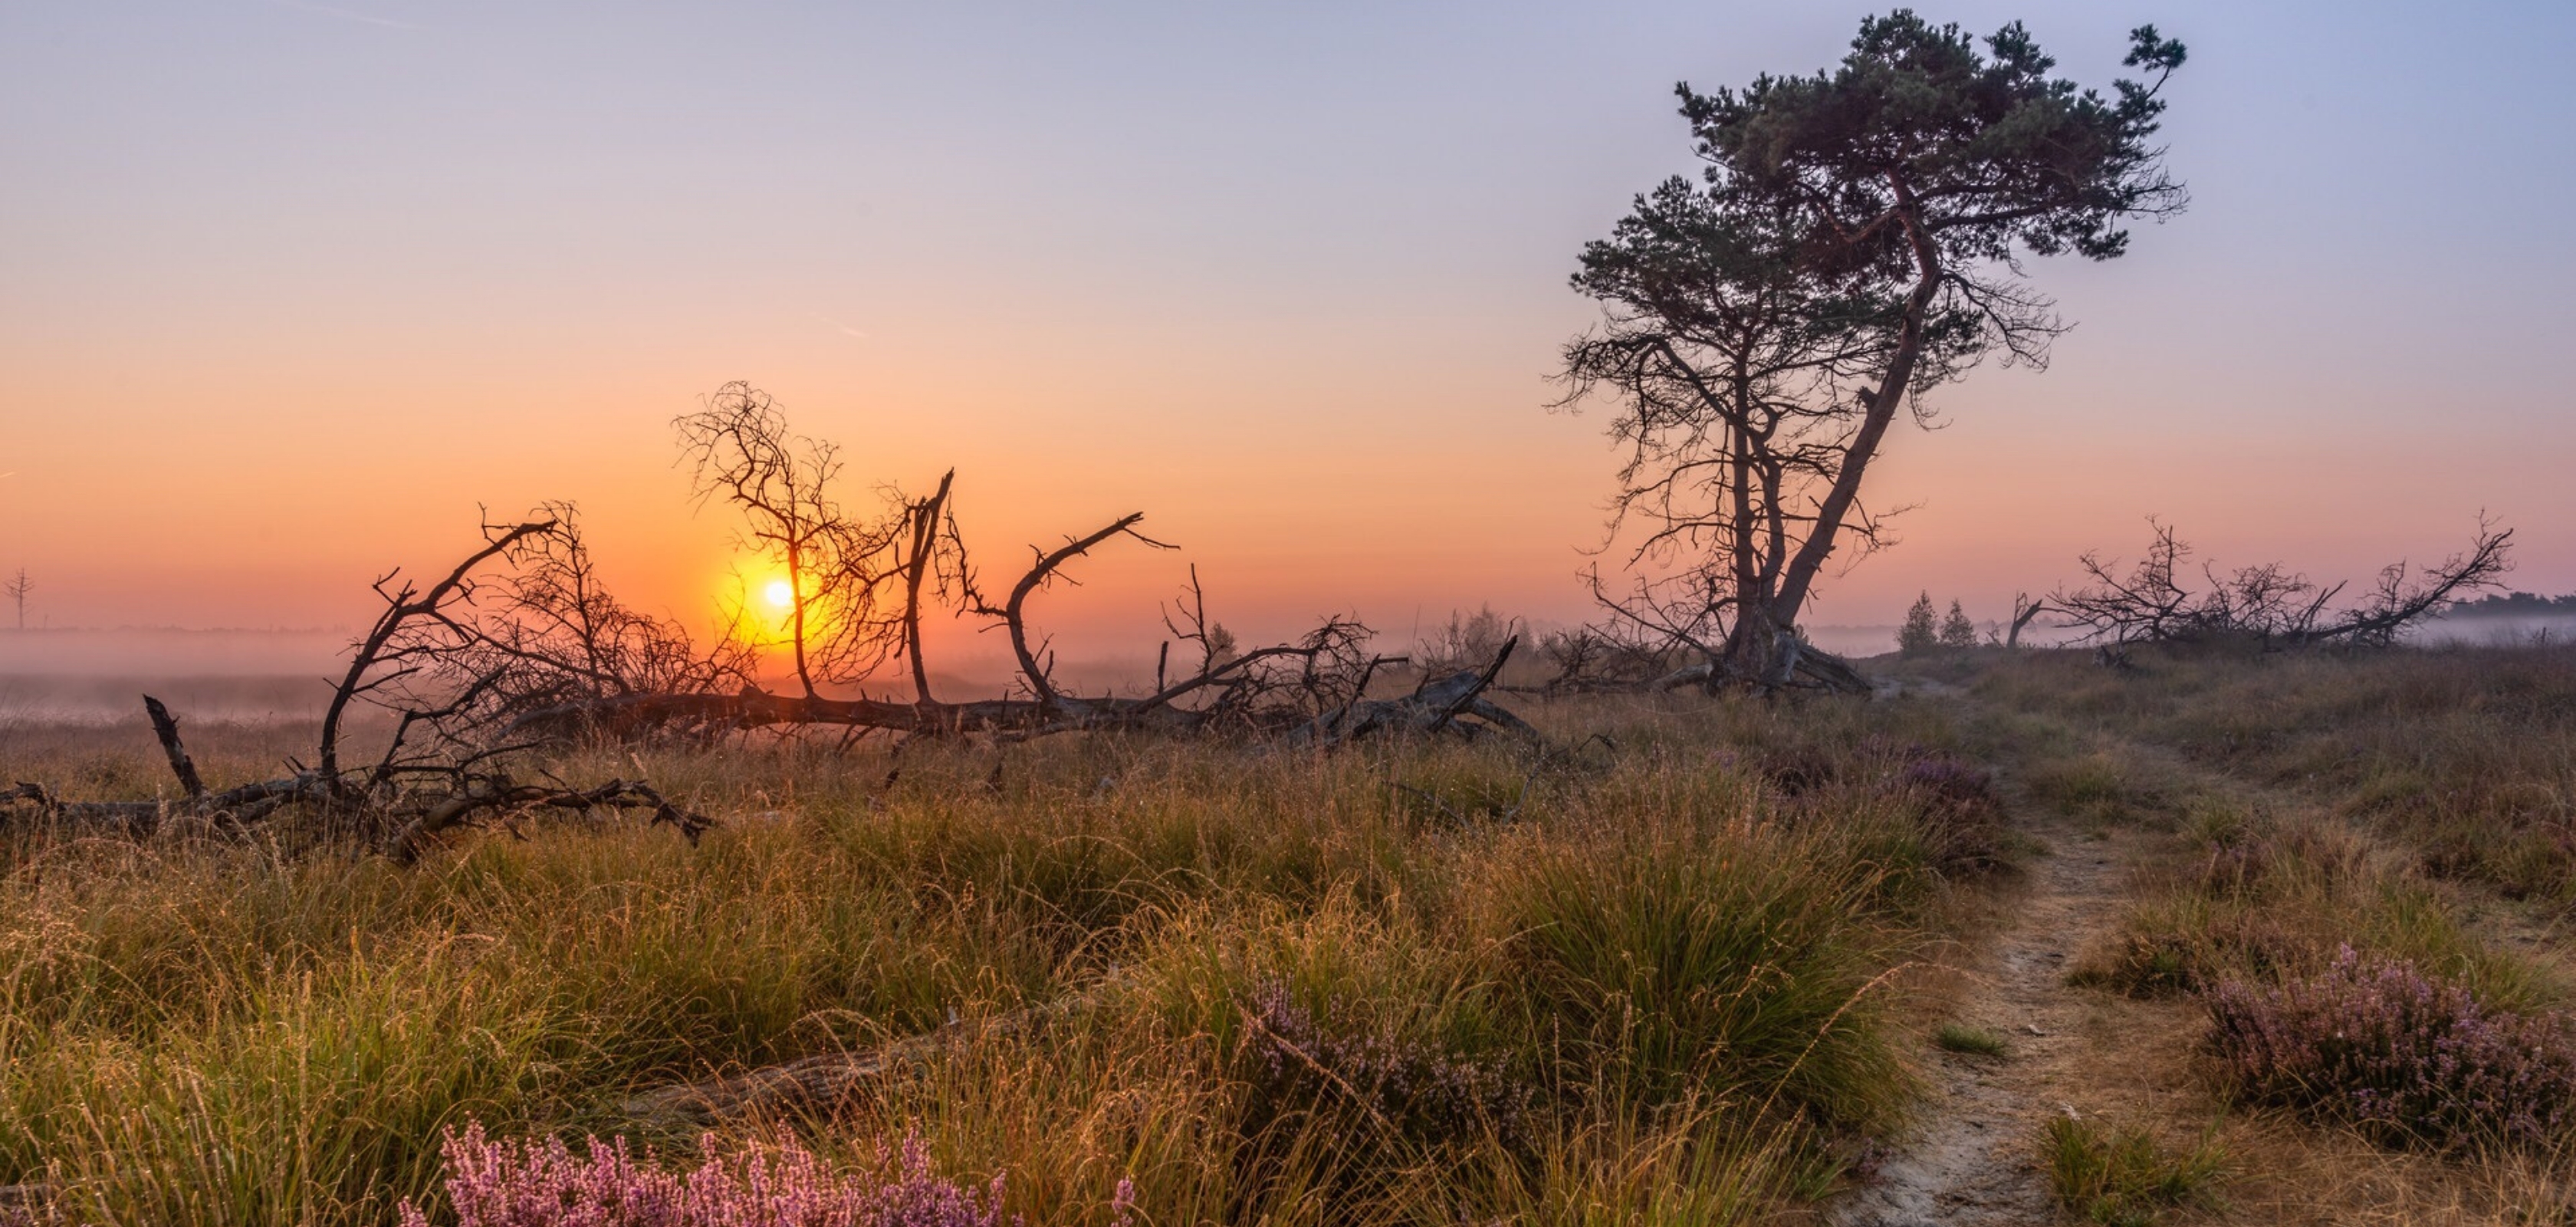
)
(18, 588)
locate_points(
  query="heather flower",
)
(1951, 782)
(2408, 1059)
(1962, 815)
(1302, 1061)
(545, 1184)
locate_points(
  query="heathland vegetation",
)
(2251, 912)
(1642, 978)
(1722, 963)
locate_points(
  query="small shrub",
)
(1951, 782)
(2121, 1178)
(2186, 945)
(2261, 860)
(2095, 787)
(1469, 641)
(1974, 1041)
(2409, 1060)
(1798, 771)
(1301, 1062)
(1962, 821)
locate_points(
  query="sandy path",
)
(1971, 1158)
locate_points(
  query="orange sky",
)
(287, 291)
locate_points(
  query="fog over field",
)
(99, 675)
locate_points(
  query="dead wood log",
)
(464, 797)
(1013, 611)
(1433, 707)
(1437, 705)
(403, 606)
(233, 806)
(1687, 675)
(166, 728)
(2267, 603)
(1830, 671)
(498, 795)
(135, 817)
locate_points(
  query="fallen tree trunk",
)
(231, 807)
(501, 796)
(1436, 706)
(1433, 707)
(414, 816)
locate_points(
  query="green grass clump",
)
(2121, 1177)
(1685, 963)
(1973, 1041)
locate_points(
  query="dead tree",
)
(2157, 600)
(739, 450)
(932, 548)
(1276, 689)
(2025, 611)
(417, 631)
(449, 661)
(1607, 657)
(878, 579)
(519, 648)
(555, 633)
(1437, 705)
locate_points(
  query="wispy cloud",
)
(344, 14)
(843, 329)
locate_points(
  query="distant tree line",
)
(2512, 604)
(1926, 631)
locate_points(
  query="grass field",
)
(1694, 971)
(1658, 968)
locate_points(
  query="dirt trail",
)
(1971, 1158)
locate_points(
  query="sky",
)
(290, 292)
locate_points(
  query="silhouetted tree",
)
(2157, 600)
(1466, 642)
(1956, 630)
(1853, 242)
(856, 583)
(2024, 611)
(18, 588)
(1921, 632)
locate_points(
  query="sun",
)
(781, 594)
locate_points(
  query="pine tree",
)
(1919, 634)
(1956, 630)
(1854, 239)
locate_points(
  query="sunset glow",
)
(1636, 610)
(1300, 311)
